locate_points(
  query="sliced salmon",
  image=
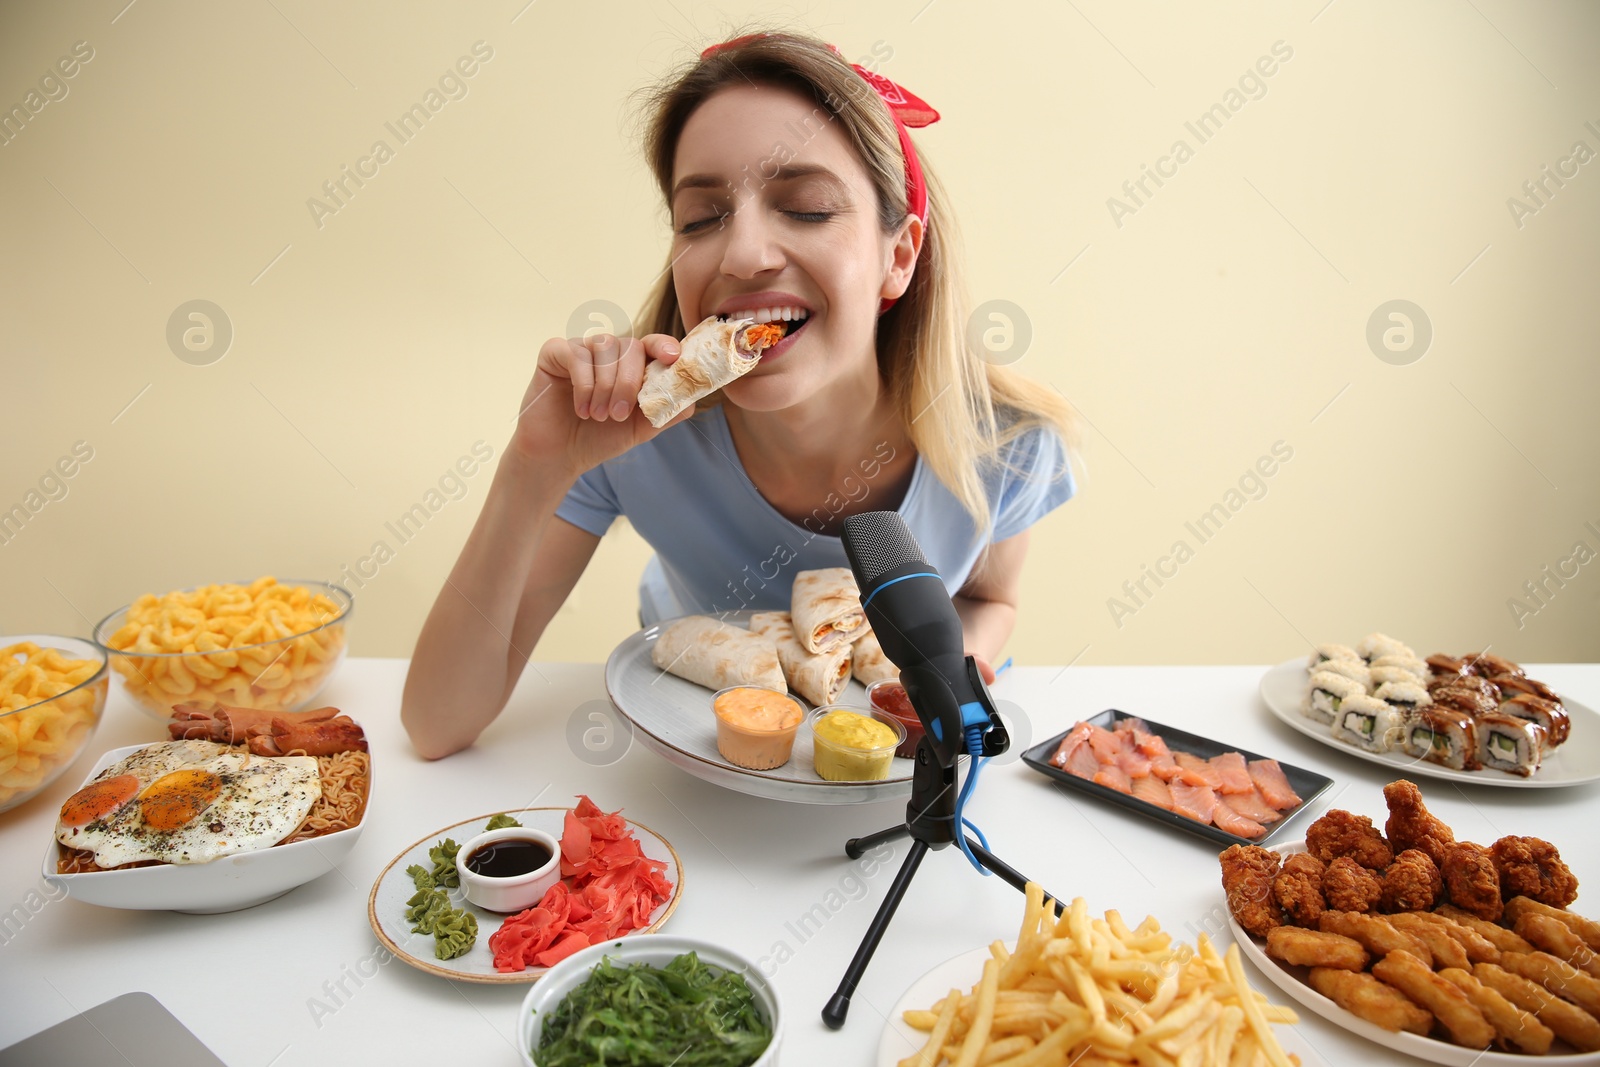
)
(1162, 765)
(1136, 765)
(1196, 771)
(1077, 737)
(1198, 802)
(1114, 777)
(1268, 777)
(1232, 822)
(1235, 775)
(1153, 790)
(1107, 744)
(1253, 805)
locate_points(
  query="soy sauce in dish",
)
(508, 858)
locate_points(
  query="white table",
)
(263, 986)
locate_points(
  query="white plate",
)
(673, 717)
(1577, 761)
(386, 906)
(1291, 980)
(228, 883)
(963, 972)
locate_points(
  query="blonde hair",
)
(958, 409)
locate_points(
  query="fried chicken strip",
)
(1555, 937)
(1478, 948)
(1502, 939)
(1571, 1023)
(1457, 1014)
(1312, 948)
(1379, 936)
(1365, 996)
(1557, 976)
(1514, 1025)
(1587, 929)
(1447, 951)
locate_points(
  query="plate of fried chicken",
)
(1450, 951)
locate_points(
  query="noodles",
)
(346, 782)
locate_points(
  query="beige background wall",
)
(1225, 312)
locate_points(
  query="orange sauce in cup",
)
(756, 727)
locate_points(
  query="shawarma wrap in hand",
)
(716, 654)
(820, 678)
(712, 355)
(869, 664)
(826, 606)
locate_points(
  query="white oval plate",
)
(963, 972)
(1573, 763)
(1291, 981)
(229, 883)
(673, 718)
(386, 905)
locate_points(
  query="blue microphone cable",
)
(975, 761)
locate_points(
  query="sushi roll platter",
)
(1477, 717)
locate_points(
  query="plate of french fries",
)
(1085, 991)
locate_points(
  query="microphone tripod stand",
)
(931, 824)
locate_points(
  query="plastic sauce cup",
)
(756, 726)
(890, 697)
(838, 761)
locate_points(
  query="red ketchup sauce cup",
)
(890, 698)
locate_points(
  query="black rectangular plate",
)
(1307, 784)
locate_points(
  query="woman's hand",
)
(580, 409)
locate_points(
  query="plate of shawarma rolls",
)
(1446, 950)
(667, 680)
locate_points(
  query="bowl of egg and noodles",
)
(729, 990)
(52, 693)
(201, 826)
(264, 644)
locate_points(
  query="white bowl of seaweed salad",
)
(658, 999)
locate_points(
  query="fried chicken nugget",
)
(1348, 886)
(1339, 833)
(1458, 1015)
(1312, 948)
(1447, 951)
(1247, 875)
(1298, 889)
(1502, 939)
(1571, 1023)
(1514, 1025)
(1587, 929)
(1555, 937)
(1478, 948)
(1365, 996)
(1411, 883)
(1557, 976)
(1378, 935)
(1472, 881)
(1410, 825)
(1532, 868)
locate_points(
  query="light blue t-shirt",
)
(721, 547)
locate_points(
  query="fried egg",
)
(189, 802)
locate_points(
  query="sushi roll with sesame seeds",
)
(1353, 669)
(1368, 723)
(1383, 674)
(1374, 645)
(1324, 694)
(1549, 714)
(1507, 743)
(1443, 736)
(1406, 697)
(1323, 653)
(1417, 668)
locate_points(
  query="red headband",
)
(906, 108)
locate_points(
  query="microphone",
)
(912, 615)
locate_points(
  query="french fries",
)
(1090, 991)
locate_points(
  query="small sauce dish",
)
(509, 870)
